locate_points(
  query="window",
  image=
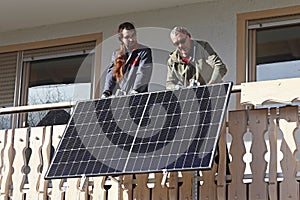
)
(58, 70)
(57, 80)
(277, 50)
(278, 53)
(268, 45)
(53, 75)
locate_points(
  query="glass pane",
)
(278, 53)
(5, 122)
(58, 80)
(280, 70)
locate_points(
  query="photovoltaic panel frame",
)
(149, 132)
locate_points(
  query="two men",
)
(192, 63)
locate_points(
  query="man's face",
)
(129, 38)
(182, 43)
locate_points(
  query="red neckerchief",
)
(136, 60)
(186, 60)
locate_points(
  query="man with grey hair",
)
(193, 62)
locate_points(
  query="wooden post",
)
(273, 133)
(173, 186)
(237, 124)
(57, 192)
(208, 190)
(7, 165)
(3, 135)
(18, 176)
(35, 161)
(186, 189)
(222, 168)
(288, 122)
(159, 192)
(127, 187)
(258, 127)
(141, 191)
(98, 191)
(114, 191)
(73, 191)
(46, 149)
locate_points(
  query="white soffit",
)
(16, 14)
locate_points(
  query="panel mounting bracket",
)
(83, 182)
(164, 178)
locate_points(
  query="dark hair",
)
(120, 61)
(127, 26)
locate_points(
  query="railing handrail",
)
(61, 105)
(39, 107)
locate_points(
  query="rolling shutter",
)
(8, 63)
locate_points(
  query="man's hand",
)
(211, 82)
(106, 94)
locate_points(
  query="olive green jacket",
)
(205, 66)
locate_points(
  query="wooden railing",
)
(262, 145)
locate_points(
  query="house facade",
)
(233, 30)
(46, 68)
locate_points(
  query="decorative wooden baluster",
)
(208, 190)
(237, 123)
(127, 187)
(45, 150)
(288, 122)
(3, 135)
(186, 189)
(98, 191)
(18, 177)
(35, 162)
(141, 191)
(7, 165)
(77, 188)
(258, 127)
(173, 186)
(57, 192)
(72, 191)
(159, 192)
(222, 165)
(113, 192)
(273, 133)
(83, 188)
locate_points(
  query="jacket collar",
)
(175, 55)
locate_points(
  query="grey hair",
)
(179, 29)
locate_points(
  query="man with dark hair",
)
(130, 69)
(192, 62)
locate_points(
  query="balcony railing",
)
(262, 144)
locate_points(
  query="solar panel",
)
(142, 133)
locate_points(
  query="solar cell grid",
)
(149, 132)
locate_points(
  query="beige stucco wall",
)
(214, 21)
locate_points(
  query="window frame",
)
(245, 41)
(20, 48)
